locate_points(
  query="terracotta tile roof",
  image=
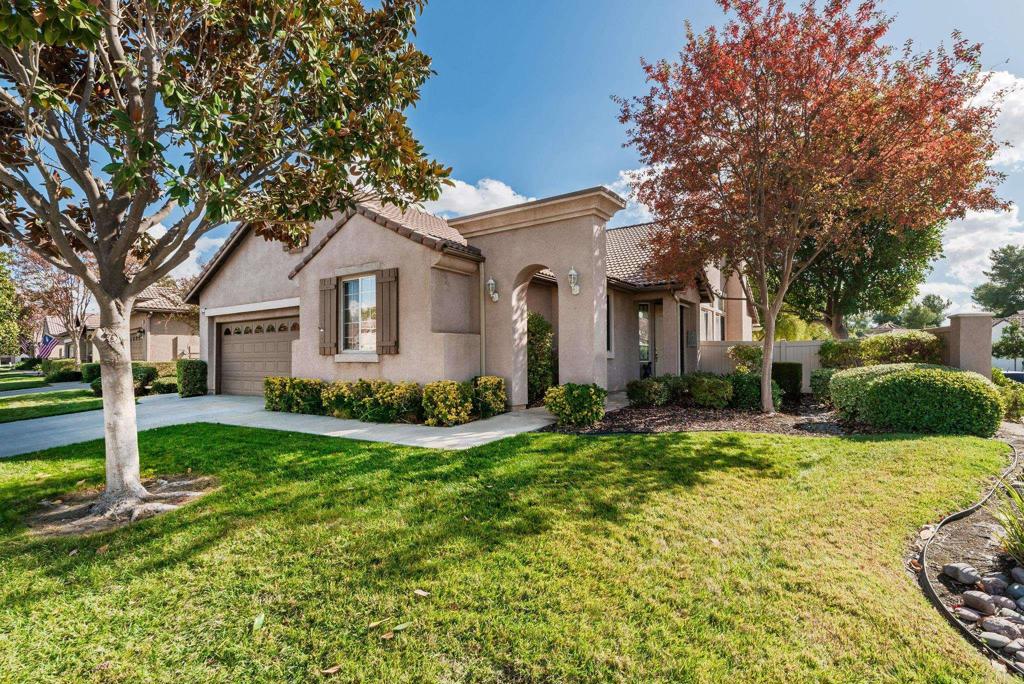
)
(1017, 318)
(54, 327)
(628, 253)
(419, 221)
(159, 298)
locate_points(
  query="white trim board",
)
(253, 307)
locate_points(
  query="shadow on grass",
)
(405, 513)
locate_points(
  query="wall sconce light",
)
(574, 281)
(492, 289)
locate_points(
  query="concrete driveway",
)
(25, 436)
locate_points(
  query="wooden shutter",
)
(387, 311)
(328, 316)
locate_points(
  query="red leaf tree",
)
(785, 128)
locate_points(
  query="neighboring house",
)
(381, 293)
(162, 329)
(998, 325)
(885, 328)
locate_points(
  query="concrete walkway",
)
(25, 436)
(55, 387)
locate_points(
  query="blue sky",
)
(521, 103)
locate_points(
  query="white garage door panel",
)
(252, 350)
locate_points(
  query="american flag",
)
(46, 347)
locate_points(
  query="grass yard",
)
(39, 404)
(16, 381)
(713, 557)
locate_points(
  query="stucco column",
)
(582, 356)
(970, 342)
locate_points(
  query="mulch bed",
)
(804, 418)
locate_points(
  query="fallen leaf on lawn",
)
(914, 565)
(105, 665)
(189, 471)
(257, 624)
(376, 623)
(715, 542)
(80, 483)
(401, 627)
(420, 592)
(73, 552)
(334, 669)
(387, 635)
(103, 549)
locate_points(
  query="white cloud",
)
(462, 198)
(1010, 124)
(634, 212)
(205, 248)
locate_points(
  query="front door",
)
(645, 330)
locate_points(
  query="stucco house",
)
(998, 325)
(381, 293)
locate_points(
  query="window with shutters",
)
(359, 314)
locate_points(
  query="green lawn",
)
(16, 381)
(39, 404)
(711, 557)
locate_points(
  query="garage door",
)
(252, 350)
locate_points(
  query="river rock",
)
(1019, 656)
(1004, 602)
(979, 601)
(962, 572)
(996, 584)
(996, 641)
(1015, 590)
(1018, 574)
(1014, 647)
(1000, 625)
(1011, 615)
(967, 614)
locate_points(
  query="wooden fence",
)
(713, 359)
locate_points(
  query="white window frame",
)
(362, 349)
(609, 344)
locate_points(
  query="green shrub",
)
(1010, 515)
(746, 391)
(575, 405)
(306, 396)
(746, 357)
(62, 370)
(447, 402)
(790, 376)
(143, 375)
(97, 386)
(934, 400)
(191, 375)
(489, 395)
(678, 387)
(339, 399)
(1012, 396)
(647, 392)
(164, 369)
(820, 379)
(90, 371)
(540, 356)
(277, 394)
(839, 353)
(847, 388)
(710, 391)
(999, 378)
(30, 363)
(164, 386)
(380, 401)
(911, 346)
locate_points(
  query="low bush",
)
(746, 357)
(999, 378)
(911, 346)
(489, 395)
(277, 394)
(746, 391)
(820, 379)
(143, 375)
(575, 405)
(1012, 396)
(447, 402)
(62, 370)
(647, 392)
(839, 353)
(165, 385)
(90, 371)
(380, 401)
(30, 363)
(144, 381)
(191, 375)
(678, 387)
(164, 369)
(338, 399)
(306, 396)
(847, 388)
(790, 376)
(710, 391)
(97, 386)
(934, 400)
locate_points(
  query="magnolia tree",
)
(131, 128)
(54, 292)
(785, 129)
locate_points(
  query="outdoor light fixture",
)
(574, 281)
(492, 289)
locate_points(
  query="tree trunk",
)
(837, 326)
(766, 366)
(124, 489)
(76, 348)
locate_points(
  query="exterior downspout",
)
(483, 321)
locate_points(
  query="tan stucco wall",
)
(455, 302)
(738, 323)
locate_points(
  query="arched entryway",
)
(536, 295)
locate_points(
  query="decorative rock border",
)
(991, 619)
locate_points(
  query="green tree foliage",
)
(10, 309)
(1010, 344)
(540, 356)
(928, 312)
(883, 276)
(1003, 294)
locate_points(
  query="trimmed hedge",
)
(164, 385)
(839, 354)
(820, 379)
(647, 392)
(191, 375)
(678, 387)
(849, 387)
(790, 376)
(746, 391)
(277, 394)
(575, 405)
(710, 391)
(90, 371)
(143, 375)
(934, 400)
(489, 395)
(306, 396)
(1012, 396)
(380, 401)
(30, 363)
(912, 346)
(97, 386)
(61, 370)
(447, 402)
